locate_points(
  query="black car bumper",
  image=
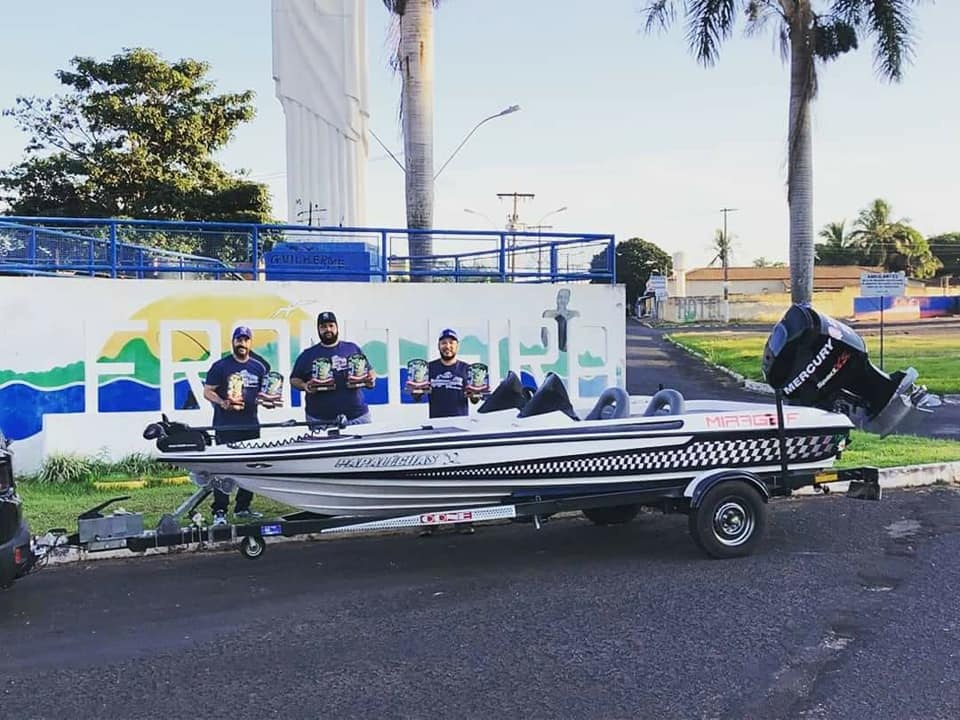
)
(15, 556)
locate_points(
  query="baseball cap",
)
(243, 331)
(326, 317)
(448, 333)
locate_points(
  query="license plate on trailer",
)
(825, 477)
(267, 530)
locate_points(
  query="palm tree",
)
(876, 232)
(414, 62)
(805, 38)
(839, 246)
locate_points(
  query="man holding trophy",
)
(449, 383)
(235, 385)
(332, 373)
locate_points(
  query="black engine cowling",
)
(816, 360)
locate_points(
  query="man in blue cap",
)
(448, 378)
(232, 385)
(448, 398)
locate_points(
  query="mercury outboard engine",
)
(816, 360)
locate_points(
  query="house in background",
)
(708, 281)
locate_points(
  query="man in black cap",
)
(448, 381)
(232, 384)
(330, 395)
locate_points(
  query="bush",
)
(62, 468)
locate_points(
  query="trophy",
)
(358, 370)
(322, 374)
(271, 390)
(235, 390)
(478, 380)
(418, 378)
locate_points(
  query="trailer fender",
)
(700, 485)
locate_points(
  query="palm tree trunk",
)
(416, 68)
(800, 155)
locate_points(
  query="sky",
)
(624, 129)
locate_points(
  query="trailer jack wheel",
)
(252, 547)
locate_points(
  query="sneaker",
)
(219, 518)
(465, 529)
(247, 515)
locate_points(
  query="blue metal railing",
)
(145, 249)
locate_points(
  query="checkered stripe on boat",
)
(698, 454)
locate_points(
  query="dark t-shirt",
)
(251, 375)
(446, 388)
(327, 404)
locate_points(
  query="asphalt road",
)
(652, 362)
(847, 611)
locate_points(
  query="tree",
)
(414, 62)
(946, 248)
(875, 231)
(806, 37)
(133, 137)
(762, 262)
(911, 254)
(839, 246)
(636, 261)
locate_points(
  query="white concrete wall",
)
(87, 363)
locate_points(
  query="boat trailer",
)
(726, 509)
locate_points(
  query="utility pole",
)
(539, 230)
(512, 222)
(726, 252)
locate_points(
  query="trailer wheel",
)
(616, 515)
(730, 520)
(252, 547)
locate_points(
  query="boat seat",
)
(510, 393)
(666, 402)
(613, 403)
(550, 397)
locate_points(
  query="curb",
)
(910, 476)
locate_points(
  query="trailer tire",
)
(252, 547)
(614, 515)
(730, 520)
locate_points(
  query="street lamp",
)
(552, 212)
(506, 111)
(493, 225)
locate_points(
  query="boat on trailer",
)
(529, 457)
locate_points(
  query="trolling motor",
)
(815, 360)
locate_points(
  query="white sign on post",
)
(891, 284)
(657, 284)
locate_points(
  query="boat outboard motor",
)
(816, 360)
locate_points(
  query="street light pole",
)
(506, 111)
(493, 225)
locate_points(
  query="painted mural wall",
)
(87, 363)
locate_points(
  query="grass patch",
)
(934, 356)
(48, 506)
(896, 450)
